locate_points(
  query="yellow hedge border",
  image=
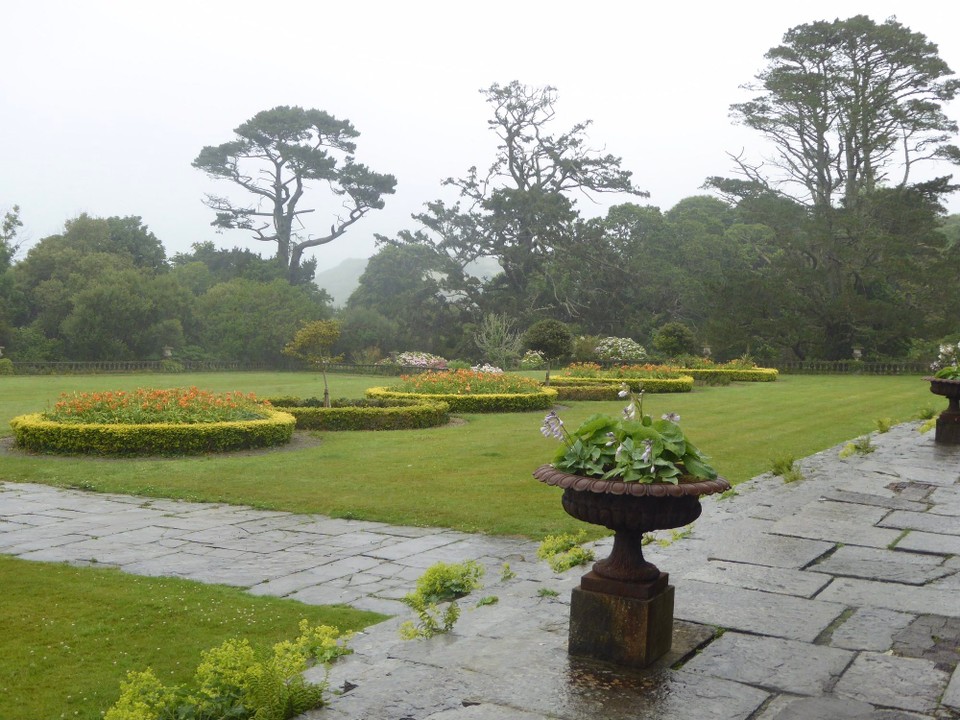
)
(736, 375)
(684, 383)
(480, 403)
(395, 415)
(34, 433)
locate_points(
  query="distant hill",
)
(341, 280)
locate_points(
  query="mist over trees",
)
(828, 243)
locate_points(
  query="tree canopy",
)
(277, 156)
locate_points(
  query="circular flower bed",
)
(471, 391)
(178, 421)
(369, 414)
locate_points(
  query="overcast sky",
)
(104, 105)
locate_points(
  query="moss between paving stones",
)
(479, 403)
(684, 383)
(370, 414)
(34, 433)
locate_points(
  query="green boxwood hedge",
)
(34, 433)
(369, 414)
(684, 383)
(736, 375)
(480, 403)
(597, 391)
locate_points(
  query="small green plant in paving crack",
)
(863, 445)
(488, 600)
(547, 593)
(506, 573)
(439, 583)
(564, 551)
(884, 425)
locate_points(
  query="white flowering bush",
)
(487, 368)
(422, 360)
(614, 348)
(533, 360)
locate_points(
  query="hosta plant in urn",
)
(633, 475)
(946, 382)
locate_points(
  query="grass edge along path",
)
(476, 476)
(69, 635)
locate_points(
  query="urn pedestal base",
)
(948, 429)
(625, 630)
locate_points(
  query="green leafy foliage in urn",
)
(633, 447)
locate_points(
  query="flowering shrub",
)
(631, 448)
(947, 365)
(614, 348)
(465, 382)
(146, 406)
(422, 360)
(487, 368)
(532, 360)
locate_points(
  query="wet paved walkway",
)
(838, 596)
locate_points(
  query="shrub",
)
(532, 360)
(37, 434)
(650, 385)
(551, 338)
(624, 349)
(675, 339)
(465, 382)
(564, 551)
(6, 366)
(585, 348)
(369, 414)
(497, 341)
(734, 374)
(439, 583)
(480, 403)
(421, 360)
(233, 680)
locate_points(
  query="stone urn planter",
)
(948, 424)
(623, 610)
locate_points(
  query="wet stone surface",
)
(931, 637)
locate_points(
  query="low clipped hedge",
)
(684, 383)
(34, 433)
(479, 403)
(597, 391)
(735, 375)
(369, 414)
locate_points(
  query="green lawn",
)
(69, 635)
(474, 476)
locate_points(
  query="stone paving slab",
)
(780, 616)
(834, 522)
(870, 629)
(893, 682)
(767, 662)
(882, 564)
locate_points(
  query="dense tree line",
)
(827, 245)
(103, 289)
